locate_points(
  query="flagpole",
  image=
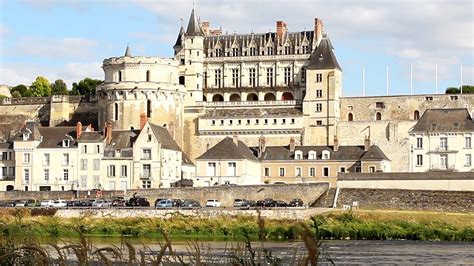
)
(460, 88)
(411, 79)
(363, 81)
(387, 81)
(436, 78)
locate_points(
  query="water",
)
(339, 251)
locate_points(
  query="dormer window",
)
(298, 155)
(312, 155)
(66, 143)
(26, 136)
(326, 155)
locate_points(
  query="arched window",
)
(148, 108)
(234, 97)
(148, 75)
(217, 98)
(204, 98)
(181, 80)
(252, 97)
(350, 117)
(287, 96)
(378, 116)
(120, 76)
(269, 97)
(416, 115)
(10, 188)
(116, 111)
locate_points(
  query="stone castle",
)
(281, 85)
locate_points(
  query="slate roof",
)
(122, 139)
(93, 136)
(31, 128)
(194, 29)
(186, 159)
(6, 145)
(128, 52)
(54, 136)
(324, 57)
(227, 150)
(180, 38)
(165, 138)
(252, 112)
(444, 120)
(351, 153)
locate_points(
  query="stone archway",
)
(269, 97)
(287, 96)
(234, 97)
(217, 98)
(252, 97)
(10, 188)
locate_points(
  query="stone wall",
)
(397, 199)
(278, 214)
(226, 194)
(449, 181)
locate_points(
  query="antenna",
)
(460, 88)
(411, 79)
(363, 81)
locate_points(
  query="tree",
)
(2, 97)
(15, 94)
(20, 89)
(40, 87)
(465, 89)
(86, 86)
(59, 88)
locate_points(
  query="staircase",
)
(326, 200)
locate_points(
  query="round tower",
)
(136, 85)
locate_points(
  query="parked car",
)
(138, 202)
(269, 202)
(190, 204)
(10, 203)
(59, 204)
(119, 202)
(238, 202)
(213, 203)
(296, 203)
(3, 203)
(164, 203)
(89, 202)
(248, 203)
(101, 203)
(33, 203)
(280, 203)
(47, 203)
(21, 203)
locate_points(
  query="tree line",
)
(465, 89)
(41, 87)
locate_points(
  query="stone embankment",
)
(277, 214)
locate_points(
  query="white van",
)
(213, 203)
(47, 203)
(59, 204)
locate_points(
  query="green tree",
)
(86, 86)
(40, 87)
(452, 90)
(15, 94)
(21, 89)
(59, 88)
(2, 97)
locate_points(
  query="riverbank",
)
(356, 225)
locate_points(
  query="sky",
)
(68, 39)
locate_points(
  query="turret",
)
(191, 73)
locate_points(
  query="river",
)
(339, 251)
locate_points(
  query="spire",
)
(179, 39)
(128, 52)
(194, 29)
(323, 57)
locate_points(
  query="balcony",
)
(291, 103)
(443, 149)
(7, 177)
(145, 176)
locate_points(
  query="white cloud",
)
(14, 74)
(68, 48)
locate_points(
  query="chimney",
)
(366, 143)
(261, 146)
(143, 120)
(108, 133)
(281, 29)
(336, 144)
(318, 30)
(235, 139)
(292, 145)
(78, 129)
(205, 25)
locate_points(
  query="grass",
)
(357, 225)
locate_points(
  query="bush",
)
(43, 212)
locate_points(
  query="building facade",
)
(442, 141)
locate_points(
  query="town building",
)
(442, 141)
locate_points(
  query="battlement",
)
(48, 100)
